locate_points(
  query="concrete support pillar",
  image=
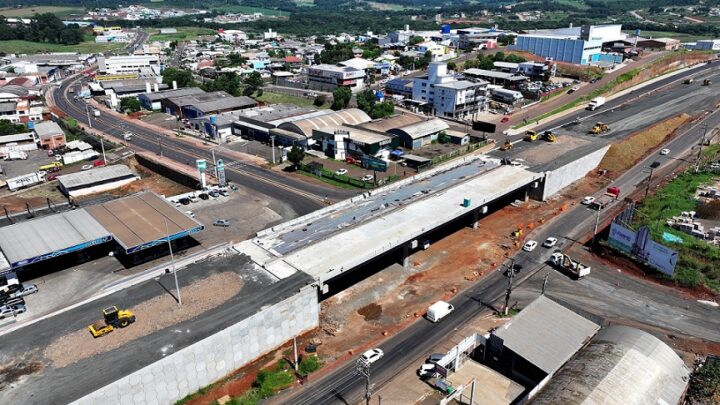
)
(405, 255)
(475, 221)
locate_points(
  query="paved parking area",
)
(36, 158)
(255, 148)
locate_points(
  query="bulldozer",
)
(113, 318)
(707, 82)
(506, 146)
(549, 136)
(531, 135)
(599, 128)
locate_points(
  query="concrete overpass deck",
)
(392, 219)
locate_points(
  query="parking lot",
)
(36, 158)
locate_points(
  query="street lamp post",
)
(653, 166)
(87, 111)
(697, 160)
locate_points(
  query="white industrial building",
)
(707, 45)
(445, 96)
(330, 77)
(114, 65)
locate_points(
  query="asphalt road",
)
(63, 385)
(408, 348)
(302, 197)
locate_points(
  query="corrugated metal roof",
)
(160, 95)
(224, 103)
(94, 175)
(621, 365)
(47, 128)
(396, 121)
(546, 334)
(46, 235)
(352, 116)
(422, 129)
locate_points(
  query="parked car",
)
(372, 355)
(26, 289)
(6, 312)
(665, 152)
(190, 214)
(341, 172)
(588, 200)
(13, 301)
(184, 201)
(203, 196)
(550, 242)
(505, 119)
(434, 358)
(86, 167)
(530, 246)
(224, 193)
(426, 370)
(221, 222)
(214, 193)
(99, 163)
(52, 177)
(18, 308)
(367, 177)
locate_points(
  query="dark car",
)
(184, 201)
(221, 222)
(435, 357)
(203, 196)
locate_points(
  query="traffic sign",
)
(201, 165)
(221, 172)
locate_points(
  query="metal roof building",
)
(563, 333)
(135, 222)
(422, 133)
(394, 121)
(350, 116)
(621, 365)
(96, 180)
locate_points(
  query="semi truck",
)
(595, 103)
(26, 180)
(563, 262)
(611, 194)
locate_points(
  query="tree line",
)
(45, 27)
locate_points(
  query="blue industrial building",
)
(580, 45)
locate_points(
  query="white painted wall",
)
(562, 177)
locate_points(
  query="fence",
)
(325, 173)
(458, 152)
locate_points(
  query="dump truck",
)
(707, 82)
(113, 318)
(599, 128)
(595, 103)
(564, 263)
(611, 194)
(506, 146)
(549, 136)
(51, 165)
(530, 135)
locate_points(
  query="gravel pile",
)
(152, 315)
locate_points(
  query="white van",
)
(438, 311)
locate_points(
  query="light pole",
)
(272, 145)
(702, 143)
(363, 368)
(508, 291)
(653, 166)
(597, 222)
(172, 260)
(87, 111)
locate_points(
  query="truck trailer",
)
(595, 103)
(611, 194)
(26, 180)
(563, 262)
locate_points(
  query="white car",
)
(588, 200)
(426, 370)
(372, 355)
(367, 177)
(86, 167)
(550, 242)
(530, 246)
(665, 152)
(27, 289)
(190, 214)
(341, 172)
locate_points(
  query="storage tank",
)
(445, 29)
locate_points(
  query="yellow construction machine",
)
(506, 146)
(113, 318)
(549, 136)
(599, 128)
(531, 135)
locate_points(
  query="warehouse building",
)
(114, 65)
(578, 45)
(322, 119)
(256, 123)
(135, 223)
(152, 100)
(659, 44)
(49, 134)
(338, 142)
(216, 106)
(495, 77)
(330, 77)
(96, 180)
(415, 136)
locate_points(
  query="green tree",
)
(452, 65)
(499, 56)
(416, 39)
(319, 100)
(382, 110)
(341, 98)
(229, 82)
(366, 100)
(184, 78)
(130, 104)
(443, 137)
(296, 155)
(8, 128)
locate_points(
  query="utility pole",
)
(295, 362)
(363, 368)
(172, 260)
(272, 144)
(511, 275)
(102, 146)
(653, 165)
(702, 143)
(545, 280)
(597, 222)
(212, 151)
(87, 111)
(160, 146)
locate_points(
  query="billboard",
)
(639, 244)
(483, 126)
(221, 172)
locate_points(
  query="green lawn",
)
(30, 11)
(682, 37)
(183, 34)
(580, 4)
(250, 10)
(18, 46)
(275, 98)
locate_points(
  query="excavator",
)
(506, 146)
(549, 136)
(530, 135)
(113, 318)
(599, 128)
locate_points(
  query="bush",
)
(319, 100)
(309, 365)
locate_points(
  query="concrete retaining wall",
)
(212, 358)
(563, 176)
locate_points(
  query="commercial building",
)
(198, 104)
(49, 134)
(532, 69)
(495, 77)
(340, 141)
(216, 126)
(400, 87)
(136, 223)
(417, 135)
(232, 35)
(321, 119)
(578, 45)
(476, 37)
(330, 77)
(96, 180)
(659, 44)
(707, 45)
(114, 65)
(445, 96)
(257, 122)
(152, 100)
